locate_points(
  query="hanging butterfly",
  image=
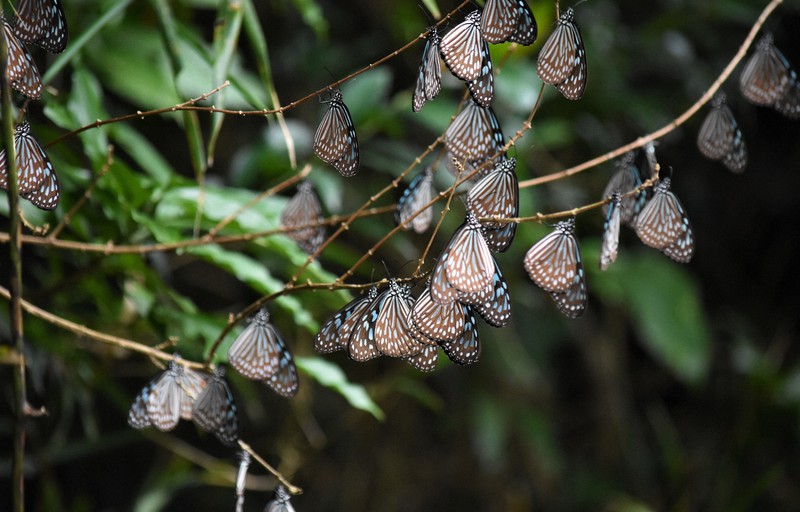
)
(720, 137)
(493, 303)
(416, 197)
(332, 336)
(280, 502)
(664, 225)
(21, 71)
(497, 195)
(508, 20)
(335, 141)
(463, 50)
(437, 322)
(562, 60)
(241, 479)
(766, 75)
(482, 88)
(626, 179)
(41, 22)
(469, 264)
(259, 353)
(466, 348)
(426, 360)
(215, 411)
(475, 134)
(37, 179)
(386, 323)
(429, 80)
(304, 209)
(554, 263)
(608, 252)
(172, 396)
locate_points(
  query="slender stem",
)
(15, 284)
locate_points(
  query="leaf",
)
(664, 303)
(331, 376)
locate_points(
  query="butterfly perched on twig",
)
(167, 398)
(626, 179)
(554, 263)
(304, 209)
(335, 140)
(259, 353)
(281, 502)
(720, 137)
(37, 181)
(608, 250)
(215, 410)
(429, 80)
(562, 59)
(335, 334)
(664, 225)
(496, 194)
(463, 48)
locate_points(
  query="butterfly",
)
(416, 197)
(259, 353)
(332, 336)
(663, 224)
(789, 103)
(335, 141)
(493, 303)
(482, 88)
(608, 251)
(215, 411)
(508, 20)
(429, 80)
(437, 322)
(767, 74)
(554, 263)
(468, 264)
(21, 71)
(426, 360)
(463, 49)
(41, 22)
(37, 177)
(626, 179)
(387, 320)
(720, 137)
(562, 60)
(466, 348)
(172, 395)
(304, 209)
(137, 415)
(475, 134)
(280, 502)
(497, 195)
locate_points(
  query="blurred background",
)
(679, 389)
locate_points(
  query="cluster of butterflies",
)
(465, 51)
(39, 22)
(767, 80)
(179, 393)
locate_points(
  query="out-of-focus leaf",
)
(664, 303)
(312, 15)
(331, 376)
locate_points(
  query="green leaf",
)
(331, 376)
(665, 305)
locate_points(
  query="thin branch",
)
(685, 116)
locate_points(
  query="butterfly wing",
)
(255, 353)
(558, 57)
(552, 262)
(608, 251)
(462, 48)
